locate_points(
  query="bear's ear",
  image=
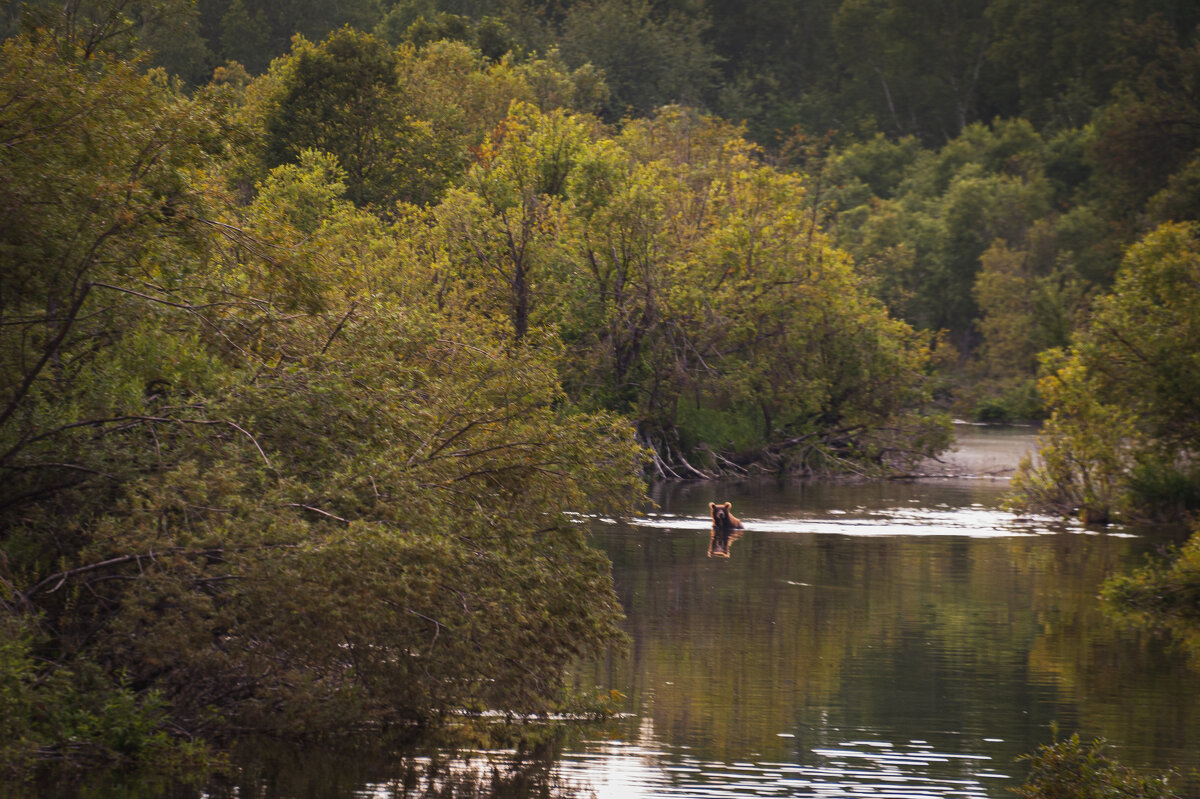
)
(712, 506)
(728, 505)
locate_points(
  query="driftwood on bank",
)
(816, 454)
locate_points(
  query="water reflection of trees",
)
(481, 758)
(382, 766)
(729, 659)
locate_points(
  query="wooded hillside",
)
(318, 321)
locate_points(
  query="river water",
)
(890, 639)
(885, 639)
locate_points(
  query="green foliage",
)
(49, 712)
(917, 65)
(704, 288)
(341, 97)
(993, 239)
(1010, 402)
(434, 475)
(1164, 592)
(1072, 769)
(403, 123)
(1147, 133)
(1029, 302)
(116, 27)
(249, 466)
(726, 429)
(490, 36)
(775, 58)
(393, 26)
(370, 324)
(498, 230)
(1172, 490)
(1052, 87)
(1125, 423)
(853, 66)
(442, 26)
(1084, 450)
(246, 39)
(925, 223)
(1146, 331)
(675, 270)
(648, 60)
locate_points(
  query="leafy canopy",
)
(1125, 424)
(244, 466)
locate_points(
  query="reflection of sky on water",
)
(972, 522)
(983, 450)
(648, 768)
(950, 638)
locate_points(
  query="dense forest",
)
(986, 164)
(304, 304)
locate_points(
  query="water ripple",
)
(876, 769)
(971, 522)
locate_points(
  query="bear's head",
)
(720, 513)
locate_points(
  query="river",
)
(905, 639)
(901, 639)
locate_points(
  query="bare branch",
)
(48, 352)
(60, 578)
(315, 510)
(339, 327)
(192, 309)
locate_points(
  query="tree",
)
(1150, 130)
(93, 26)
(500, 228)
(245, 465)
(1125, 423)
(647, 60)
(778, 65)
(123, 145)
(706, 299)
(246, 39)
(773, 326)
(921, 221)
(1028, 304)
(340, 97)
(919, 66)
(95, 198)
(1062, 85)
(617, 243)
(688, 287)
(176, 44)
(1072, 769)
(403, 123)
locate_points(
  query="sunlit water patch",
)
(620, 769)
(969, 522)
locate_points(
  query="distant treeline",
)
(926, 68)
(985, 162)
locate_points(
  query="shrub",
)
(1072, 769)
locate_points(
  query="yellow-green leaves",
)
(1126, 419)
(251, 458)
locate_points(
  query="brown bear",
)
(723, 525)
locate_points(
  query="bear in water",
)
(723, 525)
